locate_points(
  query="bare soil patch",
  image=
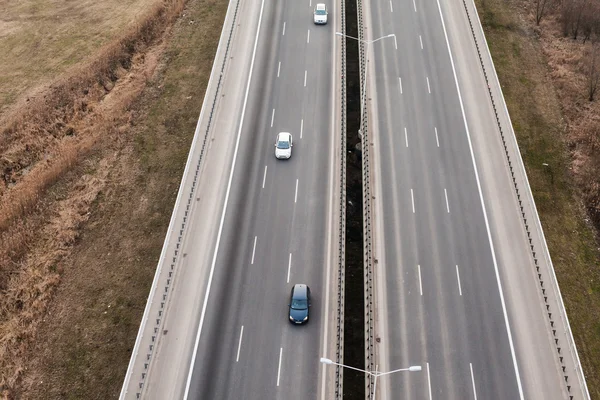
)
(90, 170)
(541, 73)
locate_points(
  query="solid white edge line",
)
(254, 249)
(447, 204)
(279, 368)
(305, 72)
(296, 195)
(487, 224)
(237, 358)
(400, 79)
(301, 127)
(272, 117)
(264, 177)
(214, 261)
(429, 381)
(405, 136)
(458, 279)
(278, 68)
(420, 281)
(437, 140)
(283, 29)
(473, 381)
(190, 159)
(412, 198)
(428, 87)
(289, 268)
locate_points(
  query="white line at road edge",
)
(473, 380)
(487, 225)
(264, 177)
(447, 204)
(240, 344)
(214, 260)
(254, 249)
(289, 268)
(279, 369)
(420, 282)
(437, 140)
(429, 381)
(458, 279)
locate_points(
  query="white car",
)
(283, 145)
(320, 14)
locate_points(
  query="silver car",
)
(283, 145)
(320, 14)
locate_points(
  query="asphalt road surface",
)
(441, 275)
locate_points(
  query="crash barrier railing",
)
(342, 226)
(153, 325)
(547, 278)
(366, 197)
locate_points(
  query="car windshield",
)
(320, 12)
(299, 304)
(283, 144)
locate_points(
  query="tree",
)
(540, 8)
(593, 70)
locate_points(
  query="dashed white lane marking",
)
(279, 369)
(301, 127)
(405, 137)
(308, 37)
(253, 249)
(437, 140)
(400, 79)
(428, 87)
(264, 177)
(278, 68)
(412, 197)
(272, 117)
(296, 195)
(395, 42)
(421, 40)
(447, 204)
(283, 29)
(289, 268)
(458, 278)
(473, 380)
(305, 72)
(240, 345)
(415, 5)
(429, 381)
(420, 282)
(391, 6)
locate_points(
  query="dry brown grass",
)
(541, 76)
(40, 145)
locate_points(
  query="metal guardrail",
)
(342, 227)
(166, 283)
(535, 221)
(366, 198)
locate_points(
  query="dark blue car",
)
(299, 304)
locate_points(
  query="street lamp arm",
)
(411, 369)
(349, 367)
(364, 41)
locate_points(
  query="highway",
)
(277, 223)
(454, 275)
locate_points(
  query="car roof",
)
(284, 136)
(299, 290)
(321, 6)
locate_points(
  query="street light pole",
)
(376, 374)
(364, 86)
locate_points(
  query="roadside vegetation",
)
(549, 75)
(91, 164)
